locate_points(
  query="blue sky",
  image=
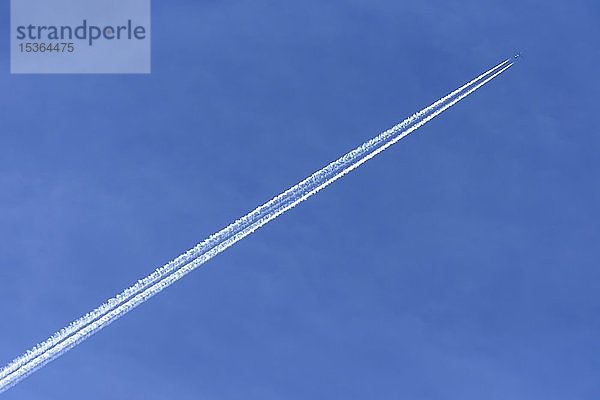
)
(461, 264)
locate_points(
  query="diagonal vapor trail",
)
(207, 244)
(163, 277)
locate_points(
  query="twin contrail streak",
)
(163, 277)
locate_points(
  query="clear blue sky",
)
(461, 264)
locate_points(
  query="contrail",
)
(163, 277)
(208, 243)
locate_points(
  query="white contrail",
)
(175, 270)
(214, 239)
